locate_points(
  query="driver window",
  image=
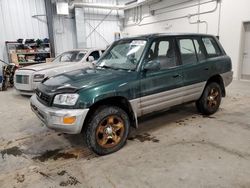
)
(163, 52)
(95, 54)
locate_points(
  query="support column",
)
(49, 16)
(80, 28)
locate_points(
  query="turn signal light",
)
(69, 120)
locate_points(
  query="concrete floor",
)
(178, 148)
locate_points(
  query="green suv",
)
(134, 77)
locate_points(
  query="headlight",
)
(66, 99)
(38, 77)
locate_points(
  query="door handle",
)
(206, 69)
(176, 76)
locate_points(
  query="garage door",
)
(246, 54)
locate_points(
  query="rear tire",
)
(210, 100)
(107, 130)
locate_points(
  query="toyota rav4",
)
(134, 77)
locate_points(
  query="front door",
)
(246, 54)
(161, 88)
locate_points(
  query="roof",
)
(85, 49)
(155, 35)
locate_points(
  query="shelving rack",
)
(31, 54)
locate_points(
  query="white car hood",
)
(50, 66)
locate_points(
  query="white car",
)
(27, 78)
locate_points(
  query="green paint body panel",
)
(98, 84)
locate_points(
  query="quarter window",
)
(211, 47)
(187, 50)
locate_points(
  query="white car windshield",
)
(72, 56)
(125, 54)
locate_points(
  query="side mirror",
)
(153, 65)
(91, 59)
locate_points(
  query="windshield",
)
(72, 56)
(125, 54)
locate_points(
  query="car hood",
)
(48, 66)
(84, 78)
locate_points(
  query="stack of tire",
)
(7, 72)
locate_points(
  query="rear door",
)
(161, 88)
(195, 68)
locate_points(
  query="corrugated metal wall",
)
(104, 34)
(64, 34)
(16, 21)
(65, 28)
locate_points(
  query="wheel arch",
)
(219, 80)
(118, 101)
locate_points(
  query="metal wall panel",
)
(64, 33)
(104, 33)
(16, 21)
(66, 28)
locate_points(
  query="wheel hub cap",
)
(110, 131)
(213, 98)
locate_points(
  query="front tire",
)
(210, 100)
(107, 130)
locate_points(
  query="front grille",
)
(22, 79)
(44, 98)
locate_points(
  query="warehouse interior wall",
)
(100, 31)
(221, 18)
(29, 19)
(85, 27)
(64, 33)
(21, 19)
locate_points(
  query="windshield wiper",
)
(107, 67)
(114, 68)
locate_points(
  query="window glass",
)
(71, 56)
(152, 51)
(163, 47)
(187, 50)
(80, 56)
(95, 54)
(124, 54)
(199, 50)
(211, 47)
(162, 51)
(66, 57)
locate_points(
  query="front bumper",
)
(51, 117)
(26, 89)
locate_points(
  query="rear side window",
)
(211, 47)
(187, 49)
